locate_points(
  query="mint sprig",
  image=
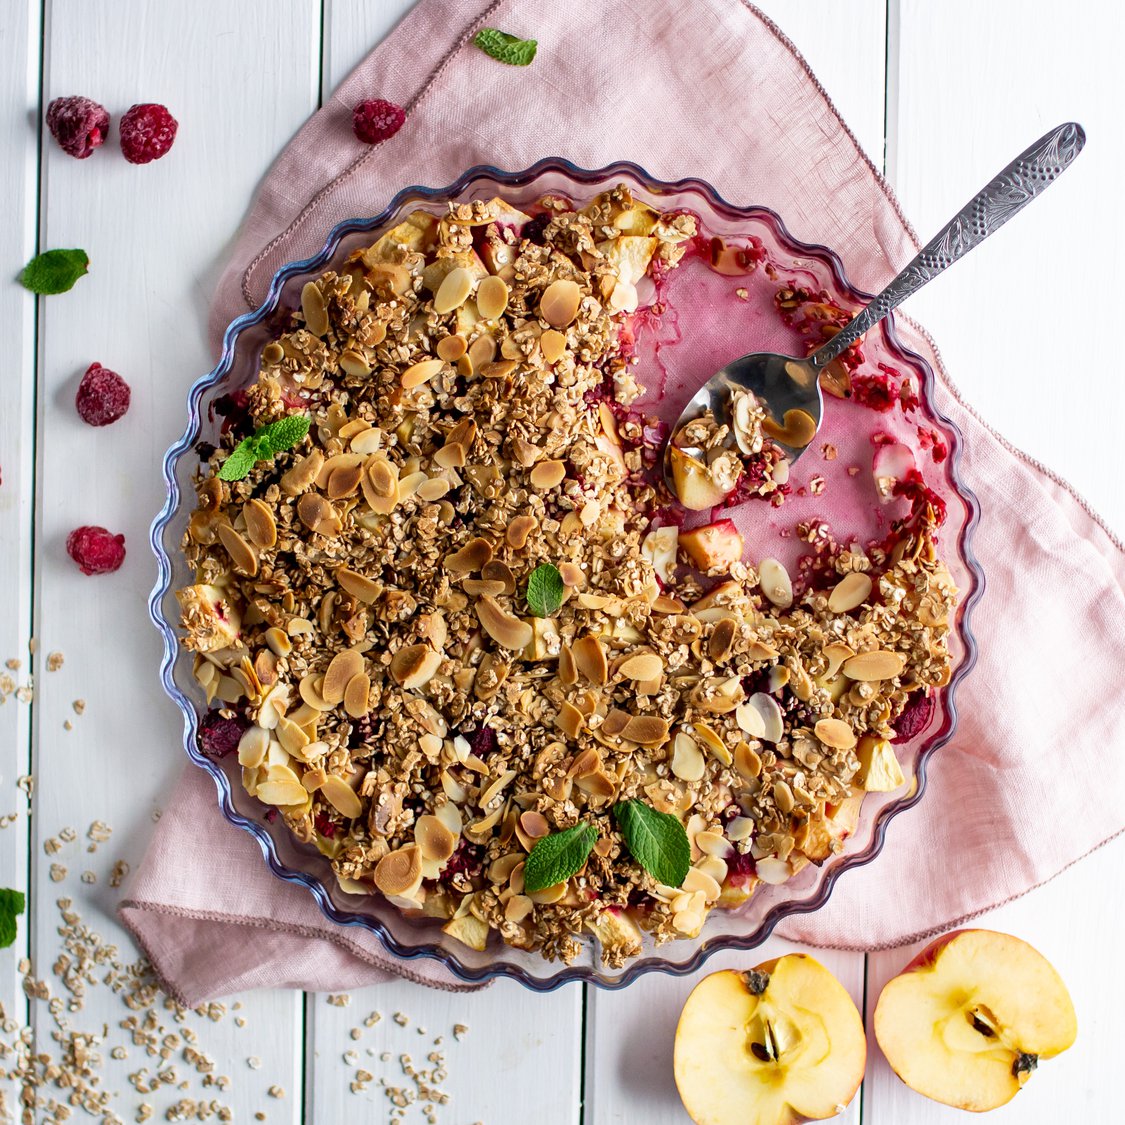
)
(657, 841)
(545, 589)
(505, 48)
(264, 445)
(54, 271)
(11, 907)
(558, 856)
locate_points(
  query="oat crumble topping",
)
(359, 603)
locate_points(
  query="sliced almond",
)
(434, 839)
(341, 796)
(614, 723)
(882, 664)
(261, 528)
(400, 872)
(835, 733)
(760, 717)
(252, 746)
(356, 696)
(589, 658)
(572, 576)
(498, 368)
(553, 345)
(558, 305)
(470, 558)
(314, 511)
(481, 351)
(721, 640)
(687, 758)
(647, 730)
(588, 762)
(453, 291)
(713, 742)
(380, 485)
(280, 793)
(518, 907)
(644, 666)
(568, 668)
(310, 690)
(432, 489)
(713, 843)
(775, 583)
(549, 895)
(313, 309)
(850, 592)
(358, 585)
(492, 297)
(279, 642)
(338, 461)
(450, 456)
(747, 762)
(476, 587)
(303, 473)
(354, 363)
(422, 372)
(344, 665)
(291, 736)
(534, 824)
(836, 654)
(412, 661)
(244, 557)
(452, 348)
(505, 629)
(547, 474)
(496, 571)
(368, 441)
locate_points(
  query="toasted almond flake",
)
(882, 664)
(252, 746)
(343, 666)
(713, 844)
(453, 291)
(572, 576)
(835, 733)
(518, 531)
(547, 474)
(553, 345)
(687, 759)
(422, 372)
(313, 309)
(470, 558)
(492, 297)
(303, 473)
(760, 717)
(358, 585)
(775, 583)
(260, 525)
(549, 895)
(850, 592)
(505, 629)
(747, 763)
(643, 666)
(380, 484)
(570, 720)
(432, 489)
(314, 511)
(481, 351)
(368, 441)
(836, 654)
(722, 639)
(498, 369)
(452, 348)
(341, 796)
(292, 738)
(518, 907)
(568, 668)
(354, 363)
(713, 742)
(559, 304)
(400, 872)
(310, 691)
(281, 793)
(356, 696)
(699, 882)
(647, 730)
(434, 838)
(244, 557)
(450, 456)
(772, 870)
(534, 824)
(589, 658)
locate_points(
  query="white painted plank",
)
(240, 79)
(1076, 923)
(516, 1062)
(845, 44)
(515, 1038)
(977, 83)
(631, 1036)
(19, 86)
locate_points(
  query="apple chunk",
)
(966, 1022)
(775, 1046)
(713, 547)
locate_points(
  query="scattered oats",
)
(816, 485)
(459, 1031)
(401, 1019)
(156, 815)
(54, 661)
(373, 1019)
(356, 1032)
(9, 819)
(27, 784)
(67, 725)
(385, 1056)
(276, 1092)
(13, 664)
(68, 835)
(117, 875)
(351, 1057)
(89, 877)
(339, 1000)
(421, 1030)
(742, 294)
(240, 1021)
(853, 470)
(25, 693)
(828, 451)
(118, 1053)
(253, 1062)
(33, 645)
(58, 873)
(99, 832)
(79, 706)
(52, 845)
(144, 1113)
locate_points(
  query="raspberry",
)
(79, 125)
(147, 132)
(103, 396)
(483, 741)
(377, 120)
(915, 717)
(95, 550)
(219, 737)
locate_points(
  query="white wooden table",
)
(940, 93)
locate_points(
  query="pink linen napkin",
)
(719, 94)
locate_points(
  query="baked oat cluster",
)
(360, 605)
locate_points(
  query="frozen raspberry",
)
(377, 120)
(218, 736)
(79, 125)
(484, 742)
(147, 132)
(915, 717)
(103, 396)
(95, 550)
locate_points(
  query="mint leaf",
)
(11, 906)
(264, 444)
(510, 49)
(54, 271)
(558, 856)
(545, 590)
(656, 840)
(282, 434)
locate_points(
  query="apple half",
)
(967, 1021)
(778, 1045)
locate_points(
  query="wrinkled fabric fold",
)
(1034, 777)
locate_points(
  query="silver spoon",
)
(788, 387)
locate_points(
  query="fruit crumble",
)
(451, 622)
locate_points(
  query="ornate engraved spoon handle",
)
(1010, 192)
